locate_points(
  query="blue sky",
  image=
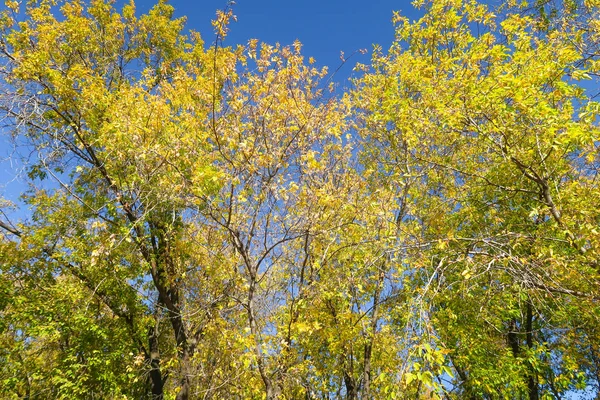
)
(324, 27)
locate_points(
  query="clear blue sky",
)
(324, 27)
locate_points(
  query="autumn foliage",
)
(205, 221)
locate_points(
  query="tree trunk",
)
(366, 380)
(351, 387)
(531, 379)
(513, 337)
(156, 379)
(272, 390)
(184, 382)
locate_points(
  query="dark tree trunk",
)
(156, 379)
(531, 379)
(513, 337)
(351, 387)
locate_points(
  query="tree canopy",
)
(213, 222)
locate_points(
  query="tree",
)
(484, 116)
(111, 105)
(174, 171)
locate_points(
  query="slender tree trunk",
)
(272, 391)
(156, 379)
(531, 379)
(513, 341)
(184, 351)
(513, 337)
(366, 380)
(164, 277)
(184, 382)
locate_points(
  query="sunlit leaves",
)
(216, 216)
